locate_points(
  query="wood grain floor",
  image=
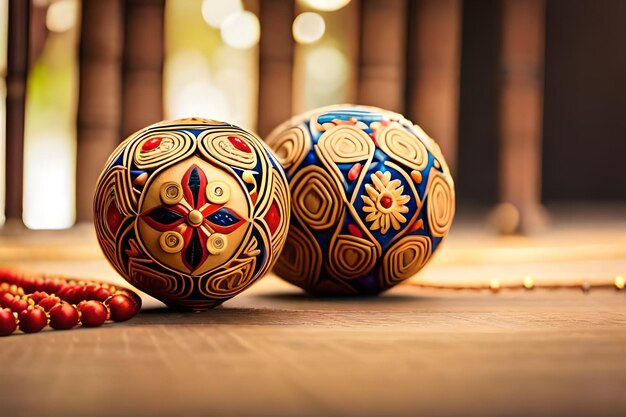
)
(276, 352)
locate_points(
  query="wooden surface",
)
(273, 351)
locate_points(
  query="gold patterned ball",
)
(192, 211)
(372, 199)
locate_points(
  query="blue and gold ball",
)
(372, 199)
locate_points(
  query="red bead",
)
(122, 307)
(32, 320)
(151, 144)
(18, 304)
(63, 316)
(101, 294)
(37, 296)
(6, 299)
(49, 302)
(386, 201)
(92, 313)
(239, 144)
(8, 322)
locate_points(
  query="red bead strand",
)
(31, 303)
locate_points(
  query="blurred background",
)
(525, 97)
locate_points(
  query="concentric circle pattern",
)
(192, 211)
(372, 199)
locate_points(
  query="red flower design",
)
(195, 218)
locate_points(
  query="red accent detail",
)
(272, 218)
(254, 197)
(354, 172)
(386, 201)
(151, 144)
(239, 144)
(114, 217)
(416, 226)
(355, 231)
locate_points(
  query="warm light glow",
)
(215, 12)
(190, 91)
(529, 282)
(326, 5)
(327, 67)
(241, 30)
(62, 15)
(494, 285)
(308, 27)
(619, 282)
(49, 172)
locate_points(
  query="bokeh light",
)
(308, 27)
(241, 30)
(327, 66)
(215, 12)
(62, 15)
(326, 5)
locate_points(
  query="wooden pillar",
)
(382, 54)
(99, 105)
(434, 61)
(17, 71)
(275, 63)
(142, 97)
(521, 115)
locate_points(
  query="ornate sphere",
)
(192, 211)
(372, 199)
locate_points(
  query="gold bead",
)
(195, 217)
(529, 282)
(171, 242)
(619, 282)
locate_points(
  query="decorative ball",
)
(372, 199)
(192, 211)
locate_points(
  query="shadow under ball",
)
(372, 199)
(192, 211)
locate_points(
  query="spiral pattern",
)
(290, 147)
(231, 147)
(403, 146)
(351, 257)
(162, 147)
(228, 281)
(149, 278)
(344, 144)
(301, 259)
(315, 198)
(440, 205)
(404, 259)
